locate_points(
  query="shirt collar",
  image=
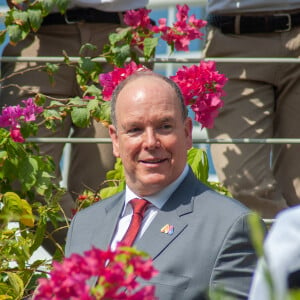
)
(160, 198)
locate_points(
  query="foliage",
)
(26, 16)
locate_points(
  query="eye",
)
(134, 130)
(166, 127)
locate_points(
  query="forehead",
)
(149, 91)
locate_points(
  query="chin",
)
(154, 186)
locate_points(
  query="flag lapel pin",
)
(169, 229)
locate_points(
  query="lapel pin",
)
(169, 229)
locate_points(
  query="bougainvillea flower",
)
(13, 116)
(109, 81)
(138, 18)
(183, 31)
(117, 279)
(202, 89)
(16, 135)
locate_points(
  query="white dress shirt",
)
(157, 202)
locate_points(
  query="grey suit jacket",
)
(210, 246)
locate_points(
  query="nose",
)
(151, 140)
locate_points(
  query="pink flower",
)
(10, 116)
(110, 80)
(138, 18)
(31, 110)
(202, 88)
(183, 31)
(16, 135)
(117, 279)
(13, 116)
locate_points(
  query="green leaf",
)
(104, 114)
(150, 45)
(197, 159)
(16, 33)
(51, 69)
(87, 46)
(35, 18)
(17, 284)
(87, 70)
(28, 129)
(40, 99)
(121, 54)
(12, 206)
(38, 237)
(28, 168)
(47, 6)
(110, 191)
(119, 36)
(76, 101)
(3, 155)
(80, 117)
(92, 105)
(20, 17)
(62, 5)
(93, 91)
(51, 114)
(86, 64)
(117, 173)
(257, 233)
(27, 217)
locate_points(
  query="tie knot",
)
(139, 206)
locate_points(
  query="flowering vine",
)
(115, 271)
(183, 31)
(201, 86)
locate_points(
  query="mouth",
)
(154, 161)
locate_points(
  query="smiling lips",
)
(156, 161)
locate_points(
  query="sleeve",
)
(236, 262)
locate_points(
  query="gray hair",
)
(139, 74)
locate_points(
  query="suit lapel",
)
(153, 242)
(113, 209)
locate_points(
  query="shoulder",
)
(102, 205)
(205, 198)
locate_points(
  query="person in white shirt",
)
(281, 259)
(262, 100)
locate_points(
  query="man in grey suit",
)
(208, 246)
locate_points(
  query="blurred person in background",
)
(262, 100)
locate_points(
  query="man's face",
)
(151, 138)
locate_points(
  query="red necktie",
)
(139, 207)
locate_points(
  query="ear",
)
(188, 127)
(115, 141)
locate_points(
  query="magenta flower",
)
(138, 18)
(179, 36)
(110, 80)
(184, 30)
(13, 116)
(16, 135)
(202, 88)
(31, 110)
(116, 279)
